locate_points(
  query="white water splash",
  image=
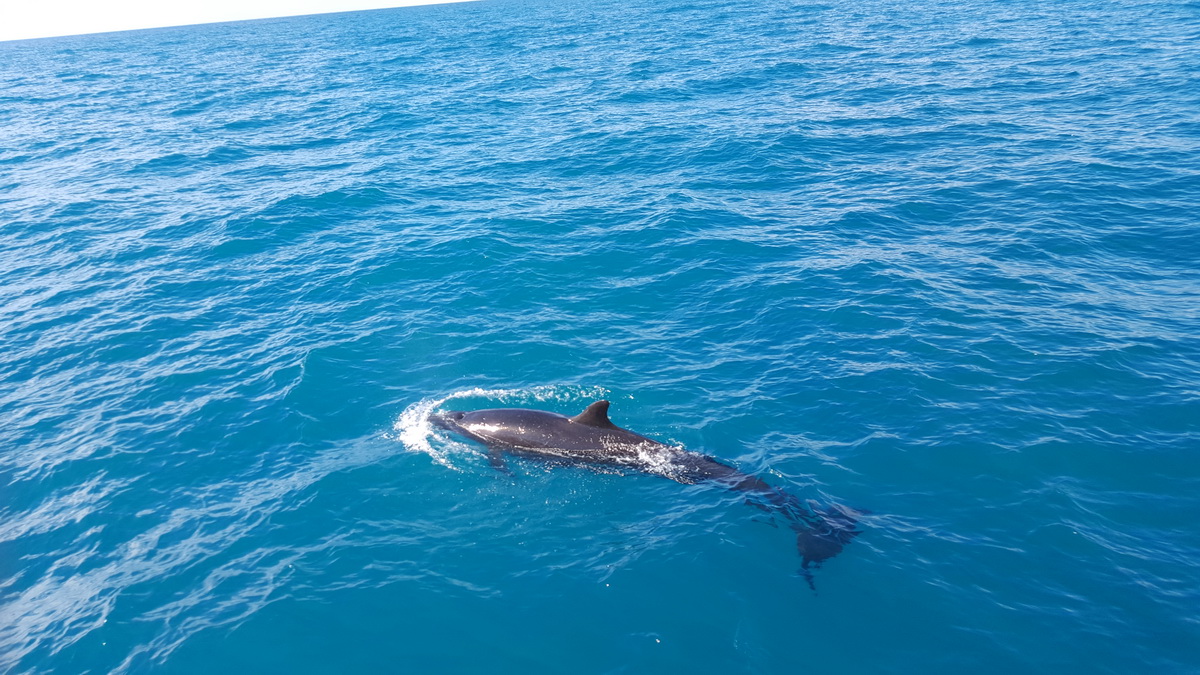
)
(415, 431)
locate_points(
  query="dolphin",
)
(591, 438)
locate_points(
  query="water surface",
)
(935, 260)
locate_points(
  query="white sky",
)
(20, 19)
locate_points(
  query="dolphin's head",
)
(447, 419)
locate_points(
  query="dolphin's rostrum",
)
(591, 438)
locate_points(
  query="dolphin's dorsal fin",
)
(595, 415)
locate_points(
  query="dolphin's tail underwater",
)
(821, 531)
(822, 536)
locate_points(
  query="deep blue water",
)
(938, 260)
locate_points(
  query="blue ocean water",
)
(939, 261)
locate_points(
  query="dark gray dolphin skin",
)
(591, 438)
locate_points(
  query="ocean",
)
(938, 262)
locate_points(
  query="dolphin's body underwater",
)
(591, 438)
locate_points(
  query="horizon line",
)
(366, 6)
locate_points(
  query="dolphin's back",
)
(542, 432)
(590, 437)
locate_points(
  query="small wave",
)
(413, 429)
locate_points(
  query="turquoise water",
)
(939, 261)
